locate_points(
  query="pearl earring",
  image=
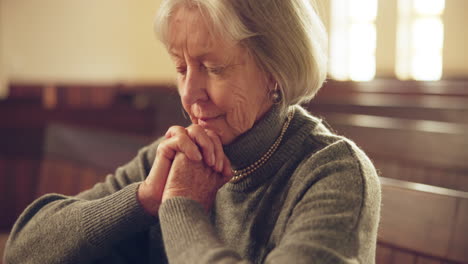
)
(275, 95)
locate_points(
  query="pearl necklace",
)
(242, 173)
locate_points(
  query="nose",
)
(193, 88)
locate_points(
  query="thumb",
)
(227, 170)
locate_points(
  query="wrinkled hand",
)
(197, 145)
(193, 180)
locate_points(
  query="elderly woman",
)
(255, 178)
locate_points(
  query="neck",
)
(250, 146)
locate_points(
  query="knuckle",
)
(210, 132)
(180, 137)
(212, 135)
(194, 130)
(199, 136)
(163, 149)
(184, 142)
(162, 145)
(176, 130)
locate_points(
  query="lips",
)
(207, 118)
(205, 121)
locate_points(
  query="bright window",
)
(353, 39)
(420, 39)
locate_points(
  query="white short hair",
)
(286, 37)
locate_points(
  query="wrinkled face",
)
(221, 86)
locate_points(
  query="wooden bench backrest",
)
(422, 222)
(77, 158)
(445, 101)
(434, 153)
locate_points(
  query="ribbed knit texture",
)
(120, 210)
(316, 200)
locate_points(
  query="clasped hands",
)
(190, 162)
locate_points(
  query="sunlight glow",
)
(363, 10)
(420, 39)
(426, 68)
(362, 44)
(353, 39)
(428, 35)
(429, 7)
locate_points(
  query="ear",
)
(269, 81)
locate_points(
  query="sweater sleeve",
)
(189, 236)
(63, 229)
(331, 221)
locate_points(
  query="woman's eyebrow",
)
(199, 57)
(174, 53)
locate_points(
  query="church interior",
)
(85, 84)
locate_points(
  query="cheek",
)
(188, 110)
(189, 113)
(241, 113)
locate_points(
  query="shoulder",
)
(321, 146)
(334, 191)
(331, 161)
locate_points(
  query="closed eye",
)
(215, 70)
(181, 70)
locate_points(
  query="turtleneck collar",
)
(253, 144)
(250, 146)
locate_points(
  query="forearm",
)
(188, 234)
(61, 229)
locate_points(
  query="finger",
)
(198, 134)
(227, 170)
(175, 130)
(180, 143)
(158, 174)
(218, 150)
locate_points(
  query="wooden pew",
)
(22, 132)
(445, 101)
(422, 224)
(76, 158)
(429, 152)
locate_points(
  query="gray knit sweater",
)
(317, 200)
